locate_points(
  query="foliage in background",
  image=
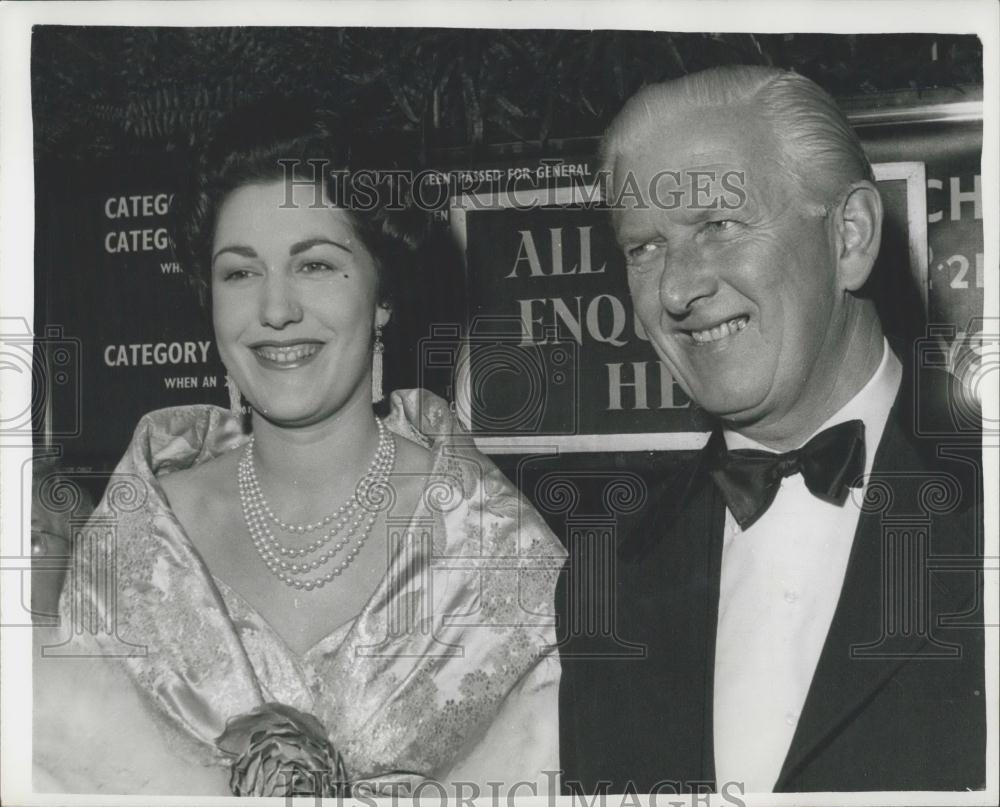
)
(98, 91)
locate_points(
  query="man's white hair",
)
(820, 151)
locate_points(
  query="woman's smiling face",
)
(294, 302)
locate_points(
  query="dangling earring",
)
(377, 352)
(235, 400)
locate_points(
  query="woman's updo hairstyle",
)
(281, 138)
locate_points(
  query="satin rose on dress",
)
(280, 751)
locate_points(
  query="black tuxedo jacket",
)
(897, 701)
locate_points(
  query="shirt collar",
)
(871, 405)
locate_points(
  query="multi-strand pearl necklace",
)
(356, 513)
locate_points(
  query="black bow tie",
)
(830, 463)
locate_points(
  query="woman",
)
(378, 580)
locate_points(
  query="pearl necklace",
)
(384, 441)
(250, 491)
(257, 514)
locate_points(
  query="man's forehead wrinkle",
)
(716, 160)
(713, 160)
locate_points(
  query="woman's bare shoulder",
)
(410, 474)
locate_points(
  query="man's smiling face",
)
(736, 290)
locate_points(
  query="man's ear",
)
(383, 313)
(859, 233)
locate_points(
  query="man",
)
(763, 583)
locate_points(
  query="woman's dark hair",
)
(279, 138)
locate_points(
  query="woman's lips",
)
(286, 357)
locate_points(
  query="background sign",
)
(952, 154)
(113, 290)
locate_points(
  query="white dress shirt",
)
(780, 582)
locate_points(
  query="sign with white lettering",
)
(109, 280)
(952, 156)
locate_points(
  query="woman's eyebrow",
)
(294, 249)
(244, 252)
(309, 243)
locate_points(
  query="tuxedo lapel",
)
(844, 681)
(670, 595)
(860, 656)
